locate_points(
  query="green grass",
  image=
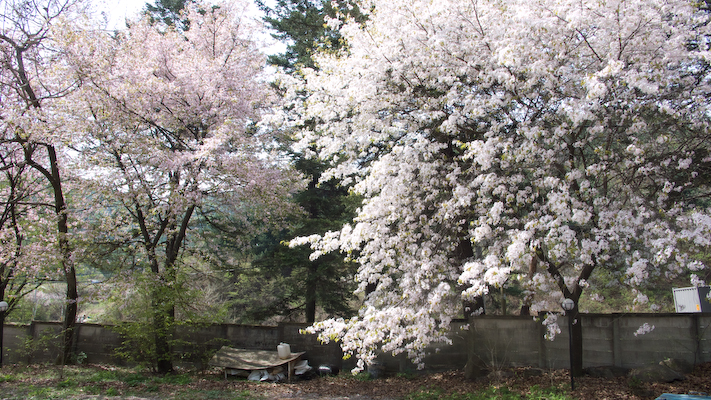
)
(492, 393)
(50, 382)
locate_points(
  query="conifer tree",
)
(292, 283)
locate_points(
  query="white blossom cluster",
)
(497, 141)
(644, 329)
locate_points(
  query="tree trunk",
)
(310, 294)
(477, 305)
(72, 300)
(576, 350)
(474, 307)
(164, 309)
(311, 288)
(163, 320)
(163, 326)
(70, 316)
(310, 310)
(528, 294)
(52, 175)
(576, 329)
(503, 300)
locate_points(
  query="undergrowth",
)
(51, 382)
(492, 393)
(78, 382)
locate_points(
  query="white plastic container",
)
(284, 350)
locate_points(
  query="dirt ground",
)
(345, 387)
(393, 388)
(586, 388)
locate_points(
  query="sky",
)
(117, 11)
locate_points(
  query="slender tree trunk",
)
(163, 311)
(475, 306)
(528, 296)
(577, 342)
(312, 278)
(70, 315)
(576, 349)
(503, 300)
(60, 208)
(164, 302)
(163, 317)
(310, 310)
(311, 288)
(53, 176)
(72, 299)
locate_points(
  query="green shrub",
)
(45, 342)
(158, 311)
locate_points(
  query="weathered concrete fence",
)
(39, 342)
(489, 342)
(608, 340)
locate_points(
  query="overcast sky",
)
(117, 11)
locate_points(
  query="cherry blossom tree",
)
(32, 85)
(170, 141)
(27, 243)
(493, 141)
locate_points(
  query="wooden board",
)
(250, 360)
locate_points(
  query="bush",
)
(160, 310)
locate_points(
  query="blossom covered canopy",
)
(509, 140)
(163, 124)
(171, 116)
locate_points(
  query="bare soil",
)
(342, 387)
(586, 388)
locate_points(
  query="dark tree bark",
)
(53, 176)
(311, 289)
(576, 329)
(576, 350)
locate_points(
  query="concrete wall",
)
(98, 343)
(607, 340)
(611, 339)
(515, 341)
(489, 342)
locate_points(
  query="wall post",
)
(542, 350)
(616, 348)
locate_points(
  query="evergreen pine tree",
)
(285, 280)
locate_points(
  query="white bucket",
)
(284, 350)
